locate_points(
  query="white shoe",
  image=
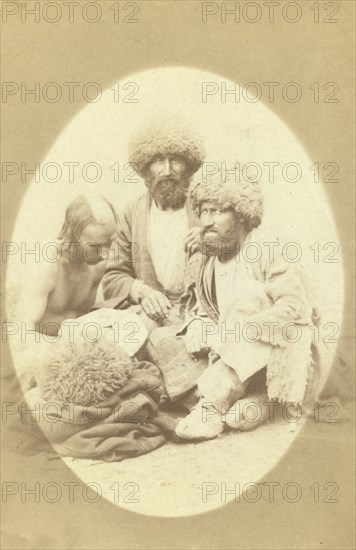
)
(238, 417)
(203, 422)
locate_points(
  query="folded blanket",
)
(124, 425)
(94, 401)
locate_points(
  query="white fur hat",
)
(164, 138)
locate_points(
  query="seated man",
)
(158, 229)
(56, 291)
(266, 295)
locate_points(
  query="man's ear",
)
(242, 221)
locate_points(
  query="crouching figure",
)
(248, 307)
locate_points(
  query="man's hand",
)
(192, 240)
(193, 338)
(155, 304)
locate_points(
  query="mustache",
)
(170, 191)
(208, 230)
(171, 181)
(167, 179)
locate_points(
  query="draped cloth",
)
(127, 424)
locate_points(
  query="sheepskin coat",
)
(287, 302)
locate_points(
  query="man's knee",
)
(150, 324)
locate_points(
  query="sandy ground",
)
(181, 479)
(184, 482)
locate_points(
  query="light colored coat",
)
(272, 290)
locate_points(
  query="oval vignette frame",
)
(171, 479)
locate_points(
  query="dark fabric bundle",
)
(93, 401)
(126, 425)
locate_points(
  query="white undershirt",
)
(167, 230)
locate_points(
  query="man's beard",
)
(169, 192)
(215, 245)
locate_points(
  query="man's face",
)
(167, 180)
(95, 242)
(220, 229)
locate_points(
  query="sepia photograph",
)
(178, 236)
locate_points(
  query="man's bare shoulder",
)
(43, 273)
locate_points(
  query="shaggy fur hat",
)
(241, 194)
(165, 138)
(84, 373)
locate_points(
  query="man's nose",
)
(167, 167)
(208, 220)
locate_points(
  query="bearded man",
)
(158, 229)
(266, 295)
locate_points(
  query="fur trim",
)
(166, 138)
(243, 196)
(84, 373)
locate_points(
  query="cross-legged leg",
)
(219, 387)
